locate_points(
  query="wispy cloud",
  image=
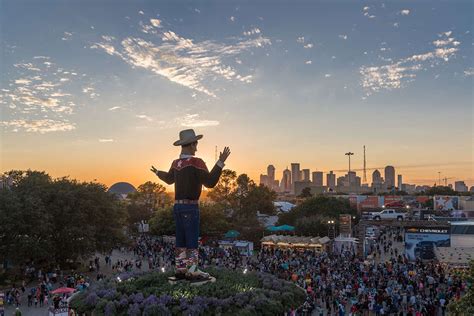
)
(144, 117)
(469, 72)
(253, 31)
(397, 74)
(308, 62)
(367, 13)
(39, 126)
(114, 108)
(343, 36)
(67, 36)
(106, 140)
(193, 120)
(40, 98)
(181, 60)
(232, 18)
(405, 12)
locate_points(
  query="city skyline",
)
(103, 91)
(391, 179)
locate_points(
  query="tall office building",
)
(305, 175)
(295, 172)
(400, 182)
(460, 186)
(389, 177)
(376, 177)
(351, 178)
(331, 180)
(264, 179)
(318, 179)
(271, 174)
(286, 180)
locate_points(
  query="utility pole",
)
(349, 154)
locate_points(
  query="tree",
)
(53, 221)
(316, 210)
(145, 202)
(162, 222)
(306, 193)
(224, 192)
(465, 305)
(439, 190)
(212, 220)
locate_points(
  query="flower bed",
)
(234, 293)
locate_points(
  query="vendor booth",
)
(244, 247)
(294, 242)
(342, 244)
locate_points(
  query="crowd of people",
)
(338, 283)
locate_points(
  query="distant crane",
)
(446, 180)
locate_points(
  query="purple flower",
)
(134, 310)
(138, 298)
(110, 294)
(110, 309)
(165, 299)
(150, 300)
(92, 299)
(123, 301)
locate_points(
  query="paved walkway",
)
(43, 311)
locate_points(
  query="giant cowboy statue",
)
(189, 174)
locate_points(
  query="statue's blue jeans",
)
(186, 217)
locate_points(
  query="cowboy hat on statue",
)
(189, 174)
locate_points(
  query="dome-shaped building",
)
(122, 189)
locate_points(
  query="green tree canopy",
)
(465, 306)
(57, 220)
(305, 193)
(143, 203)
(310, 217)
(224, 192)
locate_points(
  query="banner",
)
(446, 203)
(420, 241)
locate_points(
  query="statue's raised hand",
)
(223, 155)
(154, 170)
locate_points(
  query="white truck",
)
(388, 214)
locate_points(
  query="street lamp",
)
(349, 154)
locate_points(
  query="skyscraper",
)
(318, 178)
(331, 180)
(400, 182)
(460, 186)
(376, 177)
(271, 174)
(389, 177)
(286, 180)
(264, 179)
(295, 172)
(305, 173)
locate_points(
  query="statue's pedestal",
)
(172, 280)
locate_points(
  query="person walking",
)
(189, 174)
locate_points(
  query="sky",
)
(99, 90)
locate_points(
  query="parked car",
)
(388, 214)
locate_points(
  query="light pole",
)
(349, 154)
(331, 229)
